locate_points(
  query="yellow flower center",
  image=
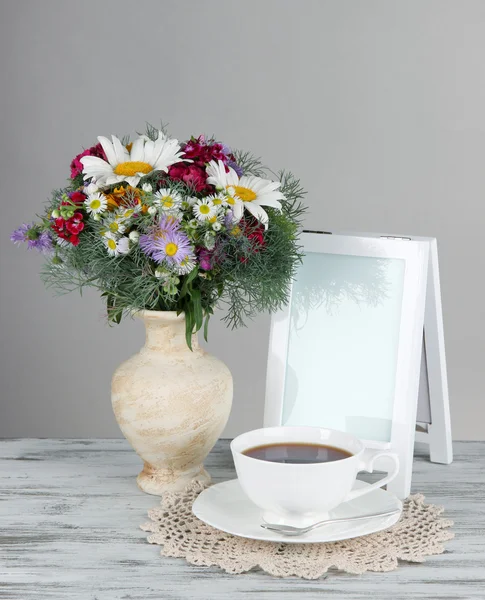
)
(236, 230)
(217, 201)
(167, 201)
(113, 226)
(230, 200)
(204, 209)
(213, 219)
(95, 204)
(244, 193)
(171, 249)
(128, 213)
(111, 244)
(132, 167)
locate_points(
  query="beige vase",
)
(171, 404)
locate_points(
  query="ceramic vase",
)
(171, 404)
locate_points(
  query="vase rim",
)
(160, 315)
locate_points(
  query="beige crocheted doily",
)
(420, 532)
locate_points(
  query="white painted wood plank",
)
(69, 529)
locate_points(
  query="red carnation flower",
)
(201, 153)
(77, 197)
(69, 230)
(75, 224)
(192, 175)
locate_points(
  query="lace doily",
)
(420, 532)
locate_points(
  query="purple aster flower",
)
(229, 219)
(226, 149)
(230, 163)
(165, 226)
(20, 235)
(173, 248)
(236, 167)
(38, 240)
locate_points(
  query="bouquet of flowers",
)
(161, 225)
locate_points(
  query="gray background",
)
(378, 106)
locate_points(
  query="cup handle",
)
(367, 464)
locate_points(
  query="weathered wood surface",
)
(69, 529)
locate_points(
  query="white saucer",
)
(226, 507)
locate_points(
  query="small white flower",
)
(218, 200)
(152, 210)
(97, 217)
(204, 209)
(116, 246)
(186, 265)
(113, 226)
(193, 223)
(134, 236)
(191, 200)
(168, 200)
(146, 187)
(125, 214)
(216, 226)
(210, 240)
(92, 188)
(96, 203)
(162, 274)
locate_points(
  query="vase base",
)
(158, 481)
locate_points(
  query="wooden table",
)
(69, 529)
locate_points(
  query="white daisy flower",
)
(218, 200)
(125, 213)
(186, 265)
(96, 203)
(218, 217)
(246, 192)
(191, 200)
(204, 209)
(115, 227)
(144, 157)
(167, 199)
(116, 246)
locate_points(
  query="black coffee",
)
(297, 454)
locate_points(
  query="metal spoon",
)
(293, 531)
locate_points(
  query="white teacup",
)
(302, 494)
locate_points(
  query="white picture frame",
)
(414, 252)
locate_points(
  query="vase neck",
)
(167, 334)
